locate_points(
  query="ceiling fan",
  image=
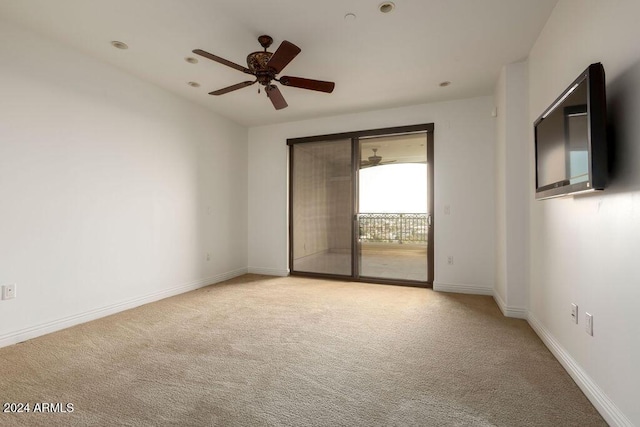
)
(265, 66)
(374, 160)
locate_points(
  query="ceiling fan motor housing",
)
(257, 63)
(375, 159)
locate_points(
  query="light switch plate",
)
(588, 323)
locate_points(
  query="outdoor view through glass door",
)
(360, 205)
(393, 217)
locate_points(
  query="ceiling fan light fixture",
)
(386, 7)
(119, 45)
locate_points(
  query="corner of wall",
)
(512, 157)
(515, 312)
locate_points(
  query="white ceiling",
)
(377, 61)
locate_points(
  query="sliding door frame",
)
(355, 136)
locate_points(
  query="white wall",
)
(464, 180)
(584, 250)
(500, 100)
(112, 190)
(512, 190)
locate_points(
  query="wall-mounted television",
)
(571, 139)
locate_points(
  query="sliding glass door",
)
(393, 217)
(360, 205)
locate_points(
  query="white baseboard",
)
(76, 319)
(609, 411)
(224, 276)
(462, 289)
(268, 271)
(516, 312)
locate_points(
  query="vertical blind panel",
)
(322, 207)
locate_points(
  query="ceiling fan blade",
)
(276, 97)
(302, 83)
(232, 88)
(283, 55)
(222, 61)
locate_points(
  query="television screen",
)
(563, 141)
(570, 139)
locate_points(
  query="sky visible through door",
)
(396, 188)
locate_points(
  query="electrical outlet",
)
(450, 260)
(574, 313)
(588, 324)
(9, 291)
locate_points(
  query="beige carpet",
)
(259, 350)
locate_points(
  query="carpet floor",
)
(289, 351)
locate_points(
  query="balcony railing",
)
(393, 227)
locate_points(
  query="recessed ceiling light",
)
(191, 60)
(386, 7)
(119, 45)
(445, 84)
(194, 84)
(350, 17)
